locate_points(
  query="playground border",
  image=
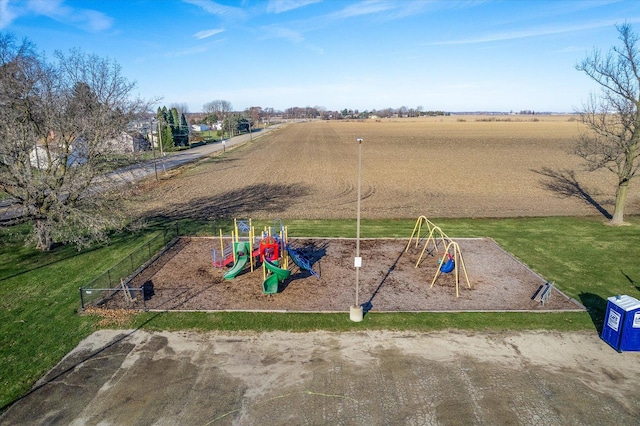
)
(579, 306)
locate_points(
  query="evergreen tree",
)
(184, 128)
(166, 135)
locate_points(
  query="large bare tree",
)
(219, 107)
(58, 120)
(612, 118)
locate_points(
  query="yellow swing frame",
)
(458, 261)
(432, 228)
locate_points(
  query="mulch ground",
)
(183, 278)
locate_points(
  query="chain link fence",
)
(116, 279)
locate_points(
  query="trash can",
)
(621, 327)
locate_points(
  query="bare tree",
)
(612, 119)
(219, 107)
(58, 121)
(268, 113)
(182, 108)
(253, 114)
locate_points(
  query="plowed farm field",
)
(438, 167)
(455, 166)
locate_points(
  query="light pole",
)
(160, 137)
(153, 148)
(160, 143)
(356, 312)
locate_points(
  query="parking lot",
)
(369, 377)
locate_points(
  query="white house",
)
(127, 142)
(39, 157)
(199, 127)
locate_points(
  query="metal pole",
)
(153, 148)
(356, 311)
(358, 219)
(160, 138)
(160, 142)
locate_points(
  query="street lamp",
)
(160, 137)
(160, 143)
(153, 148)
(356, 312)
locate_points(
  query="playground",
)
(397, 275)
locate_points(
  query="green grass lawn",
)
(39, 298)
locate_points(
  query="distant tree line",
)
(239, 122)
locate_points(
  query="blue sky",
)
(440, 55)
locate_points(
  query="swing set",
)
(451, 259)
(433, 231)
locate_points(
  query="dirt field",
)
(184, 279)
(437, 167)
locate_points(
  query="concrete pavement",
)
(119, 377)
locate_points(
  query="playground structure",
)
(451, 260)
(273, 252)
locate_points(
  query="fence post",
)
(131, 260)
(81, 298)
(144, 300)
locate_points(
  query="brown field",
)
(437, 167)
(454, 166)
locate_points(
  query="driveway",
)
(369, 377)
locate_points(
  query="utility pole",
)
(356, 311)
(153, 149)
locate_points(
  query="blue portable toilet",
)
(621, 327)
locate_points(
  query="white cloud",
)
(219, 10)
(534, 32)
(363, 8)
(207, 33)
(280, 6)
(281, 32)
(87, 19)
(7, 14)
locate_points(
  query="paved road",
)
(117, 377)
(10, 211)
(177, 159)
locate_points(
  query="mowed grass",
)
(40, 318)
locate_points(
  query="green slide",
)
(270, 285)
(242, 257)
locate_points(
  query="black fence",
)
(115, 281)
